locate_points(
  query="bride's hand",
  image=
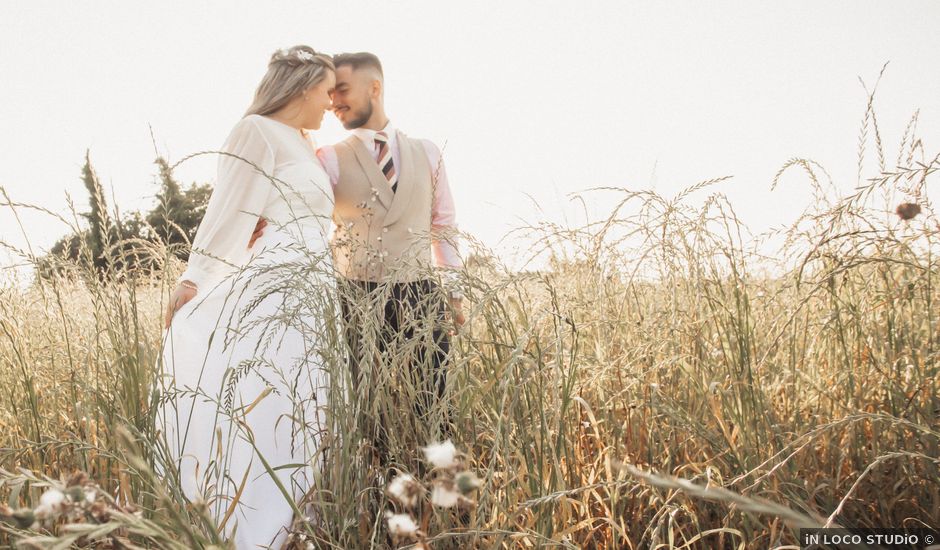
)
(180, 295)
(259, 230)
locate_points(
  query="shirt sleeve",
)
(443, 213)
(330, 162)
(241, 191)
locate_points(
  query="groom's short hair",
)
(358, 60)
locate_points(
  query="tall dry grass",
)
(660, 384)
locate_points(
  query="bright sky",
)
(536, 99)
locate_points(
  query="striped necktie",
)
(384, 158)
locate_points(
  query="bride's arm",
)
(241, 191)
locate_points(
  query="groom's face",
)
(353, 96)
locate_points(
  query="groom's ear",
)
(376, 88)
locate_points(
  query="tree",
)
(178, 212)
(132, 241)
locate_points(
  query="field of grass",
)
(660, 384)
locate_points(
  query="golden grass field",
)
(659, 384)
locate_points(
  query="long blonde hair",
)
(290, 72)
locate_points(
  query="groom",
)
(392, 209)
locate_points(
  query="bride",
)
(242, 360)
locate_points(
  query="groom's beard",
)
(362, 117)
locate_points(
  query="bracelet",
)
(190, 285)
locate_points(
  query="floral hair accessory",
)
(304, 55)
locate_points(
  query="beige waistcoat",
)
(380, 235)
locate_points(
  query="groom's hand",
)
(259, 230)
(456, 308)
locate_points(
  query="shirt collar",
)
(367, 136)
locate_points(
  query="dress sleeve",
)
(241, 191)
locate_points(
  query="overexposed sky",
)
(534, 99)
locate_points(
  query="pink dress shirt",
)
(443, 214)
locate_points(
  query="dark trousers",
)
(397, 338)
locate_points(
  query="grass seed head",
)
(907, 210)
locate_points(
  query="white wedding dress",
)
(243, 377)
